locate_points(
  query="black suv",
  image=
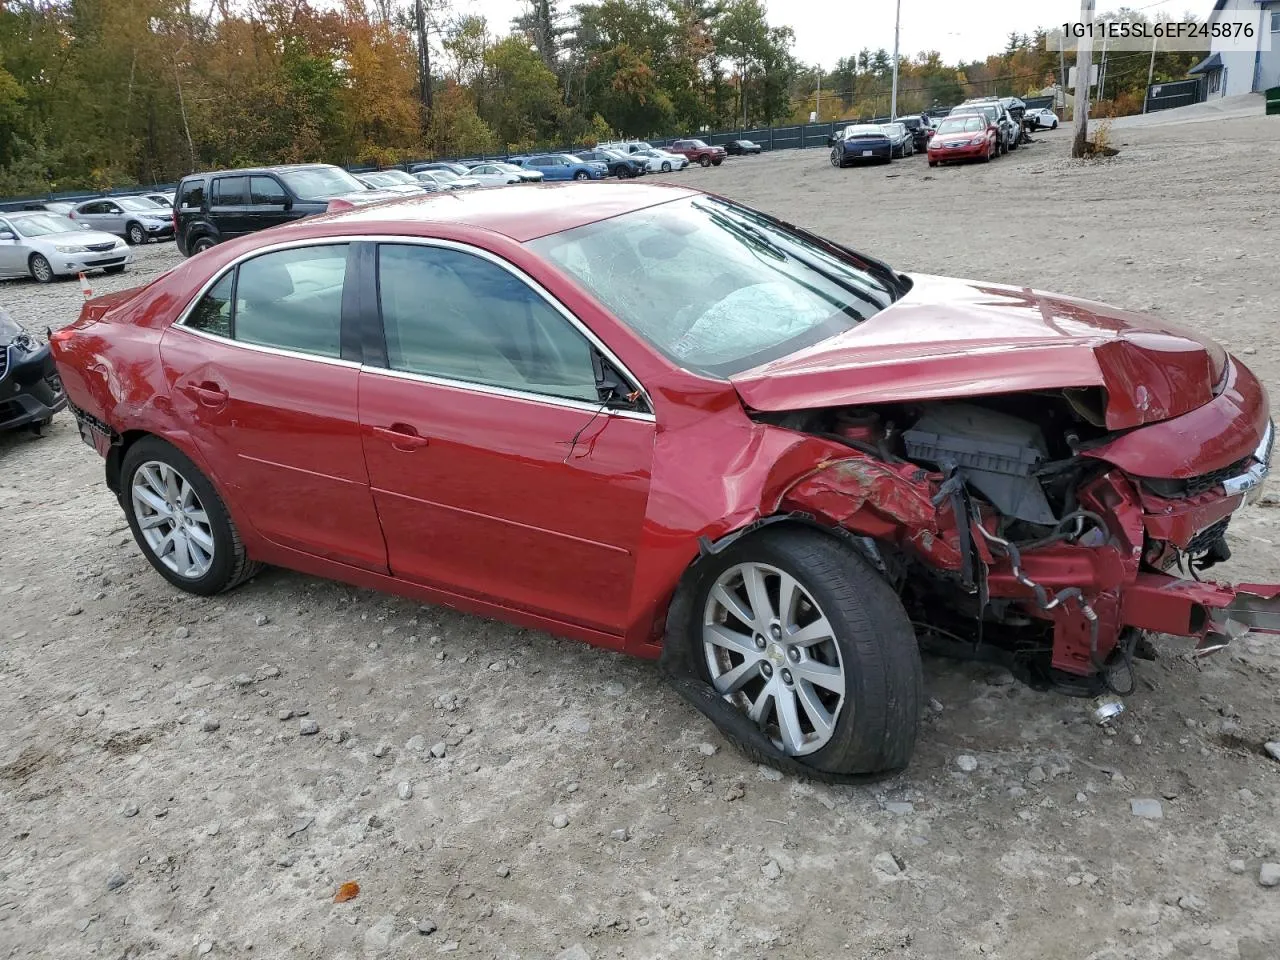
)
(212, 207)
(620, 164)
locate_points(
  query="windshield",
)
(961, 125)
(320, 183)
(138, 205)
(395, 176)
(44, 224)
(717, 288)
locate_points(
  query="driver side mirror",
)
(7, 235)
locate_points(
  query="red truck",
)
(698, 151)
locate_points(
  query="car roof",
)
(521, 214)
(274, 168)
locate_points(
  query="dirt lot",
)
(152, 804)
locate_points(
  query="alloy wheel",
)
(40, 269)
(772, 652)
(172, 520)
(136, 236)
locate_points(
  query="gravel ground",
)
(181, 777)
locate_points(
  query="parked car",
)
(625, 146)
(404, 184)
(742, 148)
(565, 166)
(457, 169)
(964, 137)
(697, 151)
(900, 138)
(135, 219)
(544, 439)
(494, 173)
(29, 384)
(862, 141)
(1010, 132)
(60, 207)
(660, 161)
(921, 128)
(159, 199)
(624, 165)
(446, 179)
(217, 206)
(45, 246)
(1041, 119)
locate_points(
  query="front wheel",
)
(118, 268)
(666, 166)
(582, 175)
(704, 161)
(933, 163)
(797, 631)
(1054, 126)
(135, 235)
(41, 272)
(179, 521)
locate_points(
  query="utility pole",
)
(897, 24)
(818, 104)
(1151, 73)
(1062, 63)
(424, 58)
(1084, 71)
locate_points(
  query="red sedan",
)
(968, 137)
(663, 423)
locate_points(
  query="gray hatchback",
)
(134, 218)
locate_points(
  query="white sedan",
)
(497, 174)
(659, 161)
(1044, 119)
(46, 245)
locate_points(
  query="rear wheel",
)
(798, 632)
(837, 161)
(201, 244)
(41, 272)
(179, 520)
(135, 234)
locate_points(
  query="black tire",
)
(986, 157)
(231, 564)
(135, 234)
(202, 243)
(875, 731)
(717, 161)
(933, 163)
(837, 159)
(704, 161)
(118, 268)
(40, 269)
(582, 175)
(666, 166)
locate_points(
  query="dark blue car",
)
(562, 166)
(860, 142)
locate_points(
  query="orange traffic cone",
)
(84, 286)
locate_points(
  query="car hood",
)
(79, 238)
(958, 338)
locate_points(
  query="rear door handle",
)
(209, 393)
(403, 437)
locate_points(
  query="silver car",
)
(46, 245)
(397, 181)
(134, 218)
(495, 173)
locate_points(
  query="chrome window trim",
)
(493, 258)
(274, 351)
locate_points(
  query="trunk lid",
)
(958, 338)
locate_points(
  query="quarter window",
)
(450, 314)
(192, 194)
(290, 299)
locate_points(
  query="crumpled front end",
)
(1012, 537)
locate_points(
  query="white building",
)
(1232, 72)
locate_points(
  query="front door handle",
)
(403, 437)
(209, 393)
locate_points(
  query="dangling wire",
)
(573, 443)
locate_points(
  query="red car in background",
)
(964, 137)
(667, 424)
(696, 151)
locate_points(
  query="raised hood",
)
(958, 338)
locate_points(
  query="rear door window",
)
(289, 299)
(229, 191)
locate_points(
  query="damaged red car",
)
(664, 423)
